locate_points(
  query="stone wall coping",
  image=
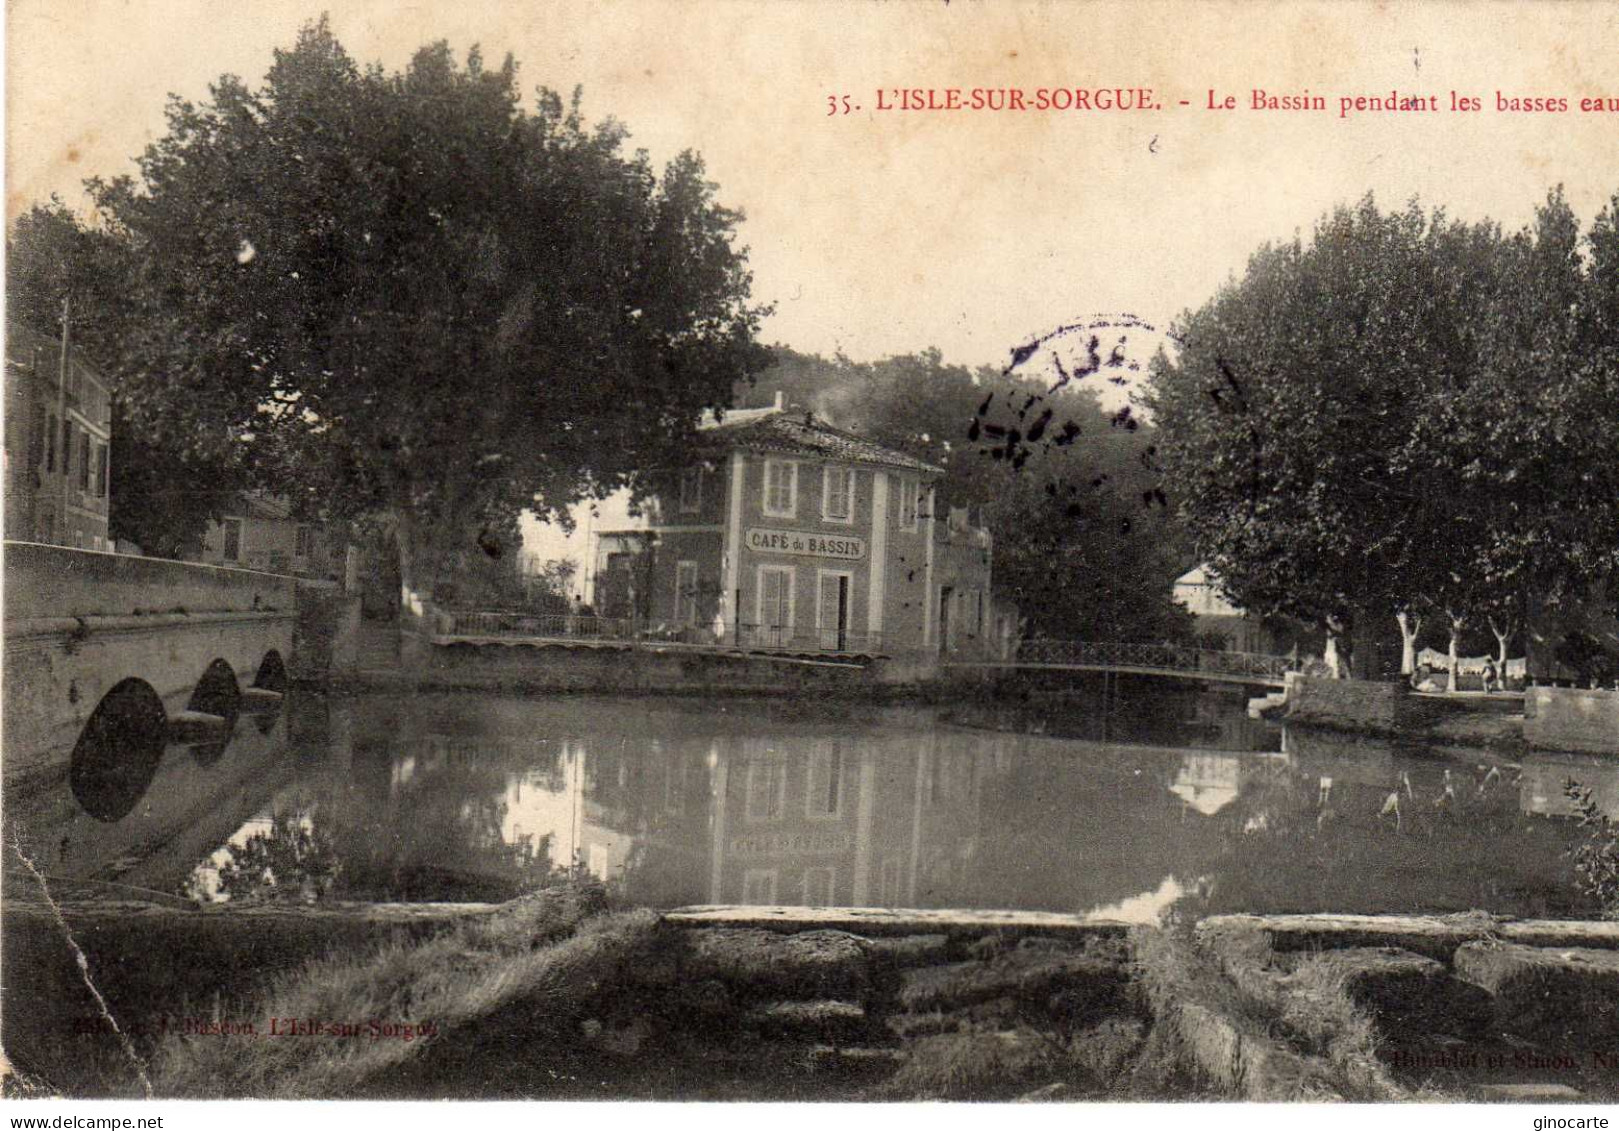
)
(1448, 929)
(50, 626)
(890, 921)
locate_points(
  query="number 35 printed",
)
(836, 103)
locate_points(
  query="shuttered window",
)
(837, 494)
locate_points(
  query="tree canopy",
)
(1404, 413)
(405, 293)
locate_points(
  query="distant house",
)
(259, 532)
(1198, 589)
(784, 532)
(58, 444)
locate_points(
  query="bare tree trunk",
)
(1339, 654)
(1503, 637)
(1410, 626)
(1457, 623)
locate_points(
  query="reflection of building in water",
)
(898, 810)
(809, 815)
(887, 821)
(1207, 781)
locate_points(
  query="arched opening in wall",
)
(217, 693)
(265, 699)
(272, 673)
(118, 751)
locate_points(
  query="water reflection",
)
(676, 802)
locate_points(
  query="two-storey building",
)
(787, 534)
(58, 443)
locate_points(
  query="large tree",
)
(406, 294)
(1287, 410)
(1406, 414)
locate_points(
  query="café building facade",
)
(787, 534)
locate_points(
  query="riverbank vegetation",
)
(1405, 417)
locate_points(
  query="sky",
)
(883, 231)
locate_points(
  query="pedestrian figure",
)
(1489, 676)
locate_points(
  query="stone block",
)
(1401, 990)
(1566, 718)
(1348, 704)
(822, 1022)
(1027, 975)
(908, 951)
(1558, 995)
(764, 964)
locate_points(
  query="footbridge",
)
(1249, 668)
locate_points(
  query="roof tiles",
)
(802, 434)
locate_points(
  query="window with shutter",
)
(781, 488)
(775, 612)
(837, 494)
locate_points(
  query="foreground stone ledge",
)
(1436, 936)
(751, 962)
(895, 921)
(91, 912)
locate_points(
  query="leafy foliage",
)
(1596, 860)
(1404, 414)
(293, 860)
(405, 293)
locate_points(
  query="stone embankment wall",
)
(1348, 704)
(628, 670)
(1565, 718)
(327, 636)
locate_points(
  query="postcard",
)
(1062, 553)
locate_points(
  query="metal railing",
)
(564, 625)
(1165, 657)
(636, 631)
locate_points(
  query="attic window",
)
(908, 488)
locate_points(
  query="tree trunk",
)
(1503, 637)
(1339, 649)
(1456, 625)
(1409, 627)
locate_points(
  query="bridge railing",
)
(1168, 657)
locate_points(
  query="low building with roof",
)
(259, 531)
(784, 533)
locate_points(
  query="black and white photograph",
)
(1001, 552)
